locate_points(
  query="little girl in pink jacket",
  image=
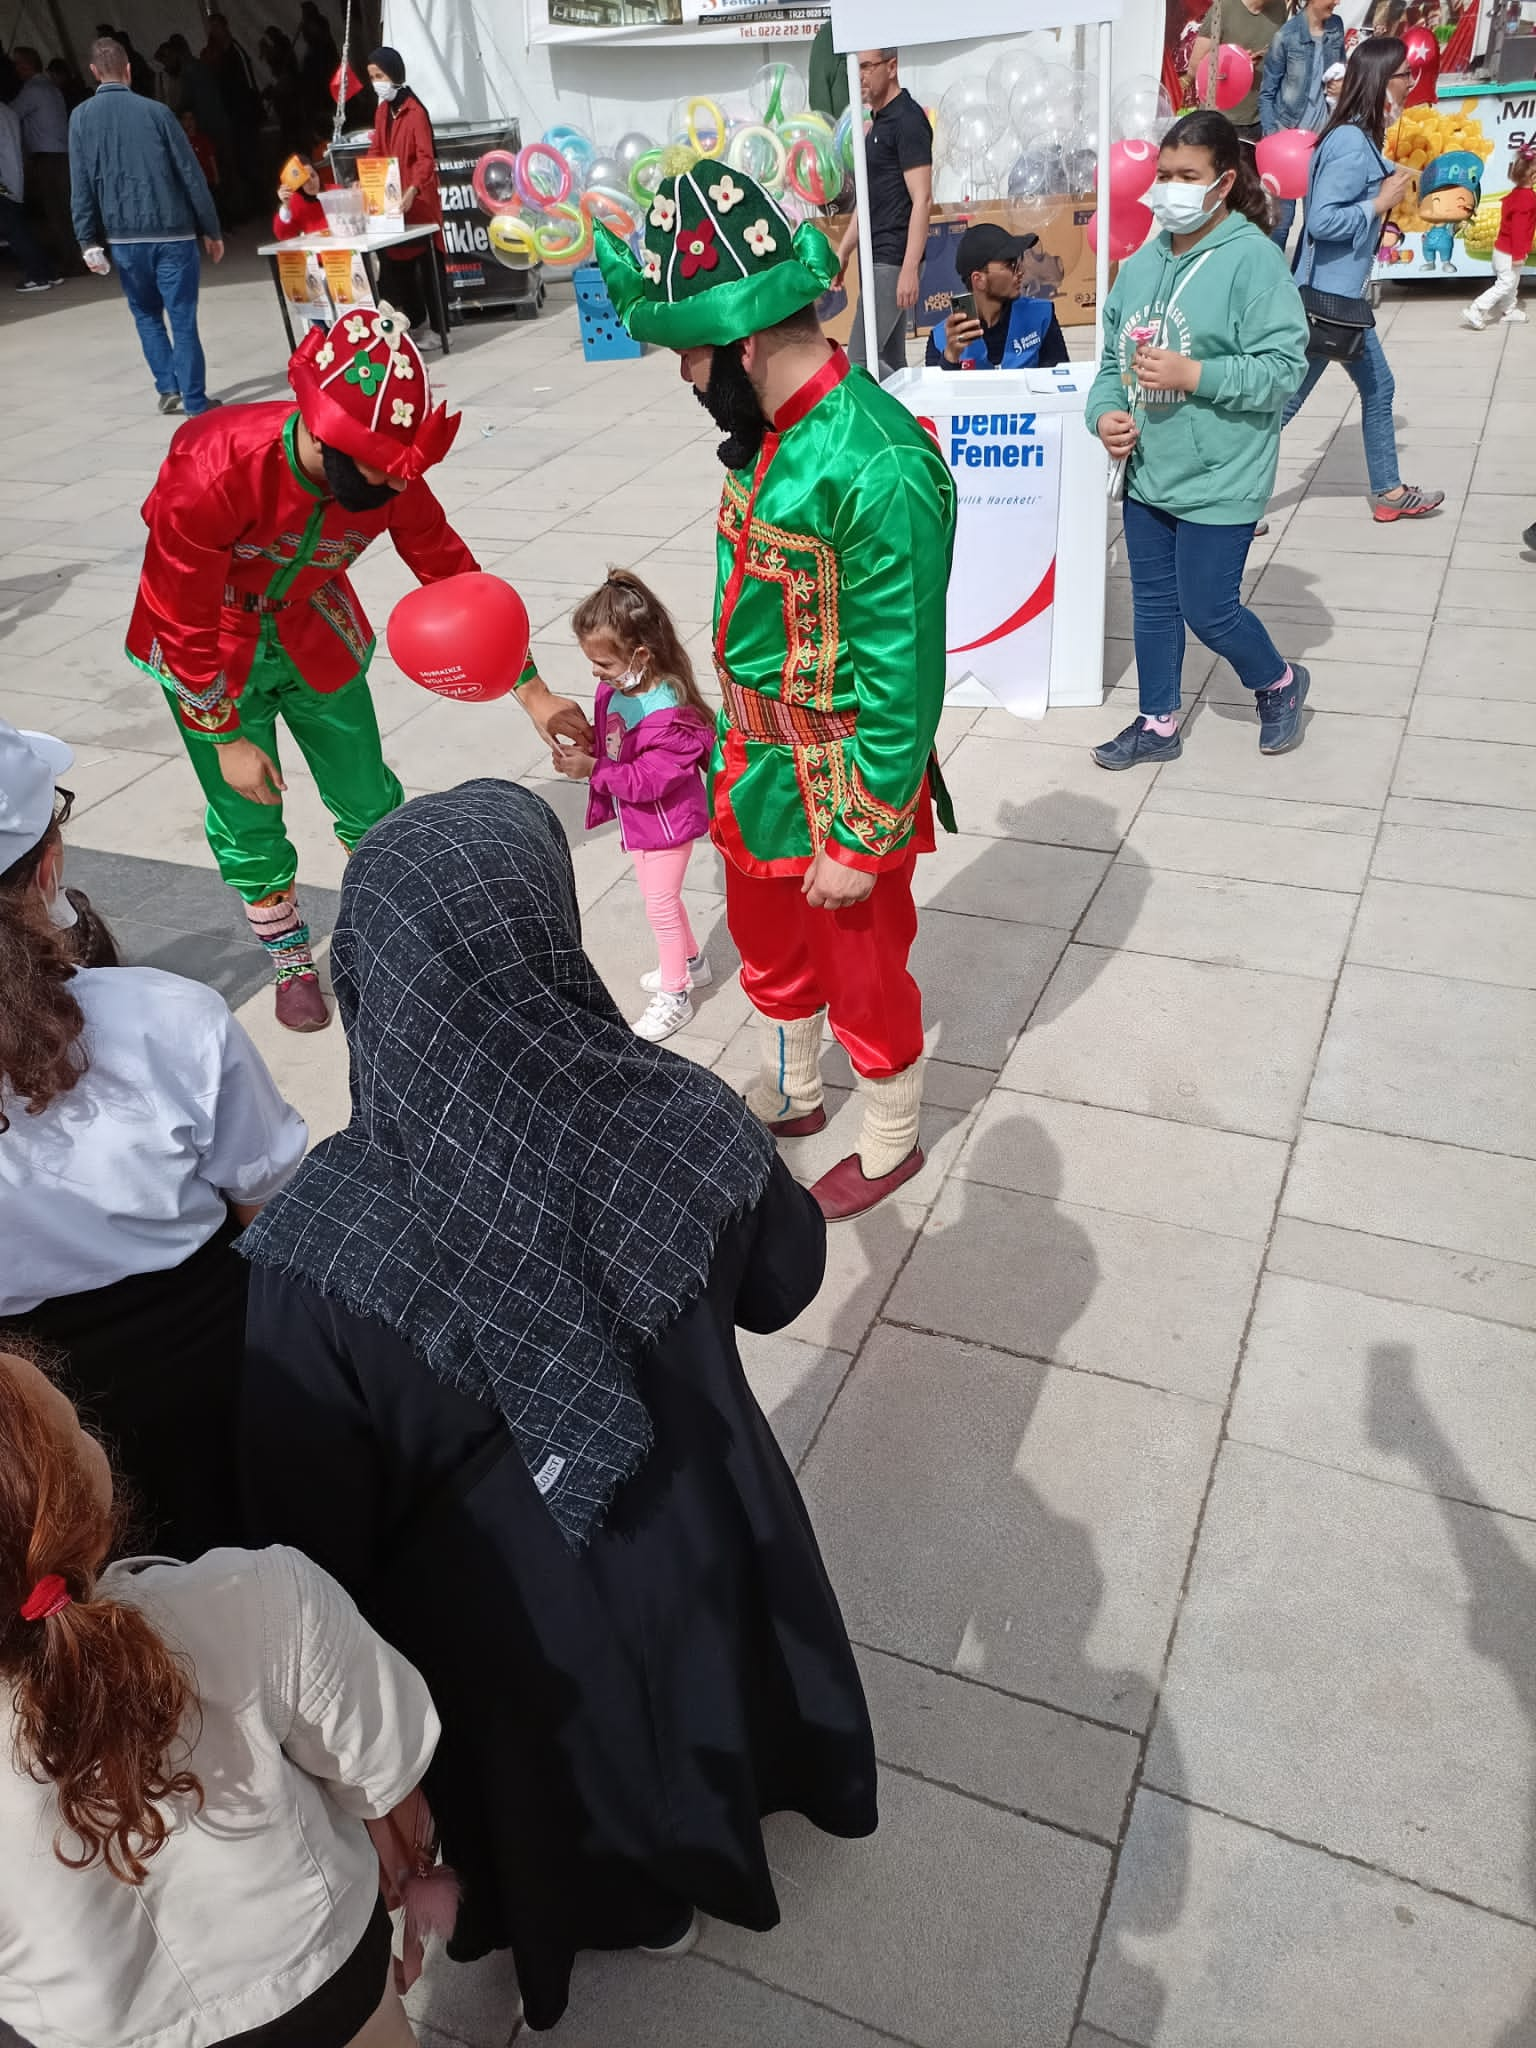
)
(654, 736)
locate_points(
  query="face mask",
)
(385, 92)
(633, 677)
(61, 912)
(1182, 208)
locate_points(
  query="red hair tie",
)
(47, 1597)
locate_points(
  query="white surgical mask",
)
(632, 677)
(385, 91)
(1182, 208)
(61, 912)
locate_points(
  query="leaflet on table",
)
(303, 282)
(346, 278)
(383, 194)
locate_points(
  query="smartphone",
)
(963, 302)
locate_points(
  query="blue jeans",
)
(1372, 375)
(1187, 575)
(160, 282)
(1285, 213)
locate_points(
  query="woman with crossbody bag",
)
(1351, 190)
(1204, 341)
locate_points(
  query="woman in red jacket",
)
(402, 129)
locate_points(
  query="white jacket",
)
(310, 1724)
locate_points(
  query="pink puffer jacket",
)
(650, 776)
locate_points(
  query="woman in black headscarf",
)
(493, 1387)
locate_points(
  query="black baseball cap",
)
(986, 243)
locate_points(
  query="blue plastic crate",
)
(603, 339)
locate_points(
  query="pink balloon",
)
(1285, 161)
(1130, 223)
(1234, 76)
(1132, 167)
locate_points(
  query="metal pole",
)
(866, 231)
(1101, 255)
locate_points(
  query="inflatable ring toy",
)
(577, 245)
(611, 207)
(645, 166)
(807, 169)
(500, 165)
(540, 152)
(722, 127)
(740, 150)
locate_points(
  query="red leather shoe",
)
(300, 1004)
(847, 1191)
(805, 1126)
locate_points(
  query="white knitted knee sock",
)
(788, 1083)
(891, 1110)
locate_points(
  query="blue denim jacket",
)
(1339, 245)
(1288, 70)
(132, 174)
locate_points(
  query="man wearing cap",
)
(1009, 331)
(245, 611)
(834, 537)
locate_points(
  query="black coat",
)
(615, 1720)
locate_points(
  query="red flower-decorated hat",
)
(363, 388)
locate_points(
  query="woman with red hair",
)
(196, 1753)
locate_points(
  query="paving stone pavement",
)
(1170, 1439)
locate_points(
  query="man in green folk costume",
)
(835, 532)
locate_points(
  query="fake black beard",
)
(731, 403)
(349, 487)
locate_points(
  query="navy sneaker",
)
(1279, 711)
(1136, 746)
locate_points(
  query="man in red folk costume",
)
(245, 612)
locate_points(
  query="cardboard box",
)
(1059, 269)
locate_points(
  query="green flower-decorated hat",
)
(719, 262)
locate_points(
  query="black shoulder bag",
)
(1336, 326)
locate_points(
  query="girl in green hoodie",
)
(1204, 341)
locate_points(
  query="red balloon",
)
(1129, 226)
(1234, 76)
(1424, 62)
(1132, 167)
(1285, 162)
(464, 637)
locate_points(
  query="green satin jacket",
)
(834, 555)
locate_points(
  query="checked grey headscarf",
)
(526, 1192)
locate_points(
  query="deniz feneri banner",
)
(1002, 589)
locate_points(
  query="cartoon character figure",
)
(1390, 249)
(1450, 187)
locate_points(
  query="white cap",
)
(30, 764)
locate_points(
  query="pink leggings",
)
(660, 875)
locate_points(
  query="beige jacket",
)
(310, 1725)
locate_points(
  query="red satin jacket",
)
(242, 544)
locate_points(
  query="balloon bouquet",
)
(543, 199)
(1142, 113)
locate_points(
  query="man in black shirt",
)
(1008, 331)
(899, 150)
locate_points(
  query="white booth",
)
(1026, 594)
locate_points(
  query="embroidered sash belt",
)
(770, 720)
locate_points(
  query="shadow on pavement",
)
(1501, 1587)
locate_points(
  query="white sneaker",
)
(1517, 316)
(1472, 318)
(700, 975)
(667, 1013)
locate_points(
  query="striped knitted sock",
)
(282, 931)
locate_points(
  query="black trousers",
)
(154, 1364)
